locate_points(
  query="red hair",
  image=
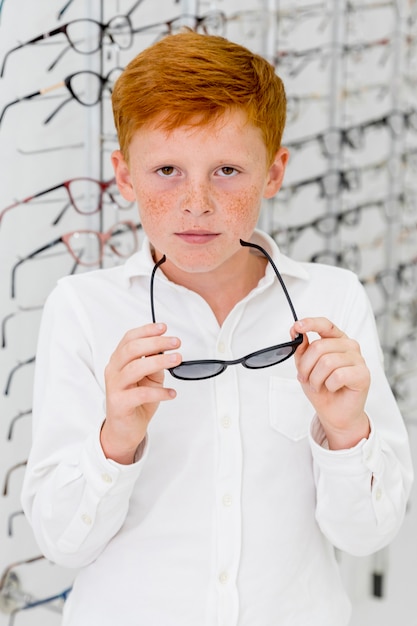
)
(190, 78)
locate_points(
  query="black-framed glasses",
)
(86, 87)
(212, 23)
(85, 36)
(208, 368)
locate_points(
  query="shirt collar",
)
(141, 263)
(285, 265)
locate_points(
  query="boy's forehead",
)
(199, 122)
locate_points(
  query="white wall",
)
(340, 83)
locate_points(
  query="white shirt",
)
(231, 515)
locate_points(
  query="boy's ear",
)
(276, 173)
(122, 175)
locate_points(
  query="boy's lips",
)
(197, 236)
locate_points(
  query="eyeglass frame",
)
(199, 20)
(294, 343)
(66, 82)
(103, 237)
(104, 186)
(104, 28)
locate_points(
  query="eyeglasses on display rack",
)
(325, 225)
(390, 280)
(10, 316)
(87, 247)
(333, 139)
(329, 224)
(330, 184)
(10, 521)
(85, 87)
(13, 566)
(402, 352)
(68, 3)
(14, 598)
(15, 419)
(55, 602)
(212, 23)
(9, 472)
(267, 357)
(84, 194)
(87, 36)
(348, 257)
(13, 371)
(84, 36)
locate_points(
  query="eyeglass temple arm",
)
(133, 8)
(158, 264)
(268, 256)
(26, 258)
(51, 33)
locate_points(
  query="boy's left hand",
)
(335, 378)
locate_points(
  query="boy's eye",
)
(227, 170)
(167, 170)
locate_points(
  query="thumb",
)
(298, 329)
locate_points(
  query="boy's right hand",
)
(134, 379)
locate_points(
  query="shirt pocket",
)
(290, 412)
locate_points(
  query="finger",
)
(324, 355)
(353, 377)
(331, 371)
(320, 325)
(302, 347)
(137, 347)
(125, 402)
(148, 330)
(146, 347)
(148, 368)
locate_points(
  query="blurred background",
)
(349, 199)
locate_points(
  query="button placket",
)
(228, 489)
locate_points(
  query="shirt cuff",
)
(367, 452)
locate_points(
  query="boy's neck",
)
(222, 290)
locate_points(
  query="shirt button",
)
(221, 347)
(378, 494)
(227, 500)
(226, 422)
(86, 519)
(107, 478)
(223, 578)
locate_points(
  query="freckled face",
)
(199, 190)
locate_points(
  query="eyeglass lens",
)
(86, 246)
(86, 195)
(199, 370)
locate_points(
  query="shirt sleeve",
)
(362, 492)
(75, 498)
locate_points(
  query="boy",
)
(212, 494)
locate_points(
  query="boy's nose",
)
(197, 199)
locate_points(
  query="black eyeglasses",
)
(85, 87)
(212, 23)
(85, 36)
(208, 368)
